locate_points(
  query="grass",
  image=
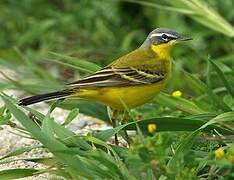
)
(193, 132)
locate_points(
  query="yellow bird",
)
(129, 81)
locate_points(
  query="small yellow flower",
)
(176, 93)
(219, 153)
(152, 128)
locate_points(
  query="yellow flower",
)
(219, 153)
(176, 93)
(152, 128)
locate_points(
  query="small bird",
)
(129, 81)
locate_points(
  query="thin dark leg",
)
(125, 119)
(114, 124)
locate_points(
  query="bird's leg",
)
(115, 120)
(124, 120)
(120, 117)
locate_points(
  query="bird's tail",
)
(44, 97)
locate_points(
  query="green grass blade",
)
(113, 166)
(154, 5)
(217, 101)
(83, 64)
(89, 108)
(178, 103)
(48, 161)
(225, 117)
(69, 137)
(195, 84)
(228, 86)
(196, 9)
(177, 124)
(64, 134)
(107, 134)
(19, 151)
(47, 126)
(17, 173)
(204, 14)
(166, 124)
(71, 116)
(183, 148)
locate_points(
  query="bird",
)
(130, 81)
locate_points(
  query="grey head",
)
(163, 36)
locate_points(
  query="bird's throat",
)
(162, 50)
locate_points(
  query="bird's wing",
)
(136, 68)
(118, 77)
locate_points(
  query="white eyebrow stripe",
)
(160, 34)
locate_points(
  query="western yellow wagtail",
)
(129, 81)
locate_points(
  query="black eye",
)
(164, 36)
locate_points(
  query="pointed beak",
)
(184, 38)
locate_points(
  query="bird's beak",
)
(180, 39)
(184, 38)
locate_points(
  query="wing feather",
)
(118, 77)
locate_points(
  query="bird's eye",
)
(164, 36)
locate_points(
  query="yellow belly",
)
(121, 97)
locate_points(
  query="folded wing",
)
(119, 77)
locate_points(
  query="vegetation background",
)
(49, 43)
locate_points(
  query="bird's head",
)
(162, 39)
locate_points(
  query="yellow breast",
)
(121, 97)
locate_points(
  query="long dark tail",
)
(44, 97)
